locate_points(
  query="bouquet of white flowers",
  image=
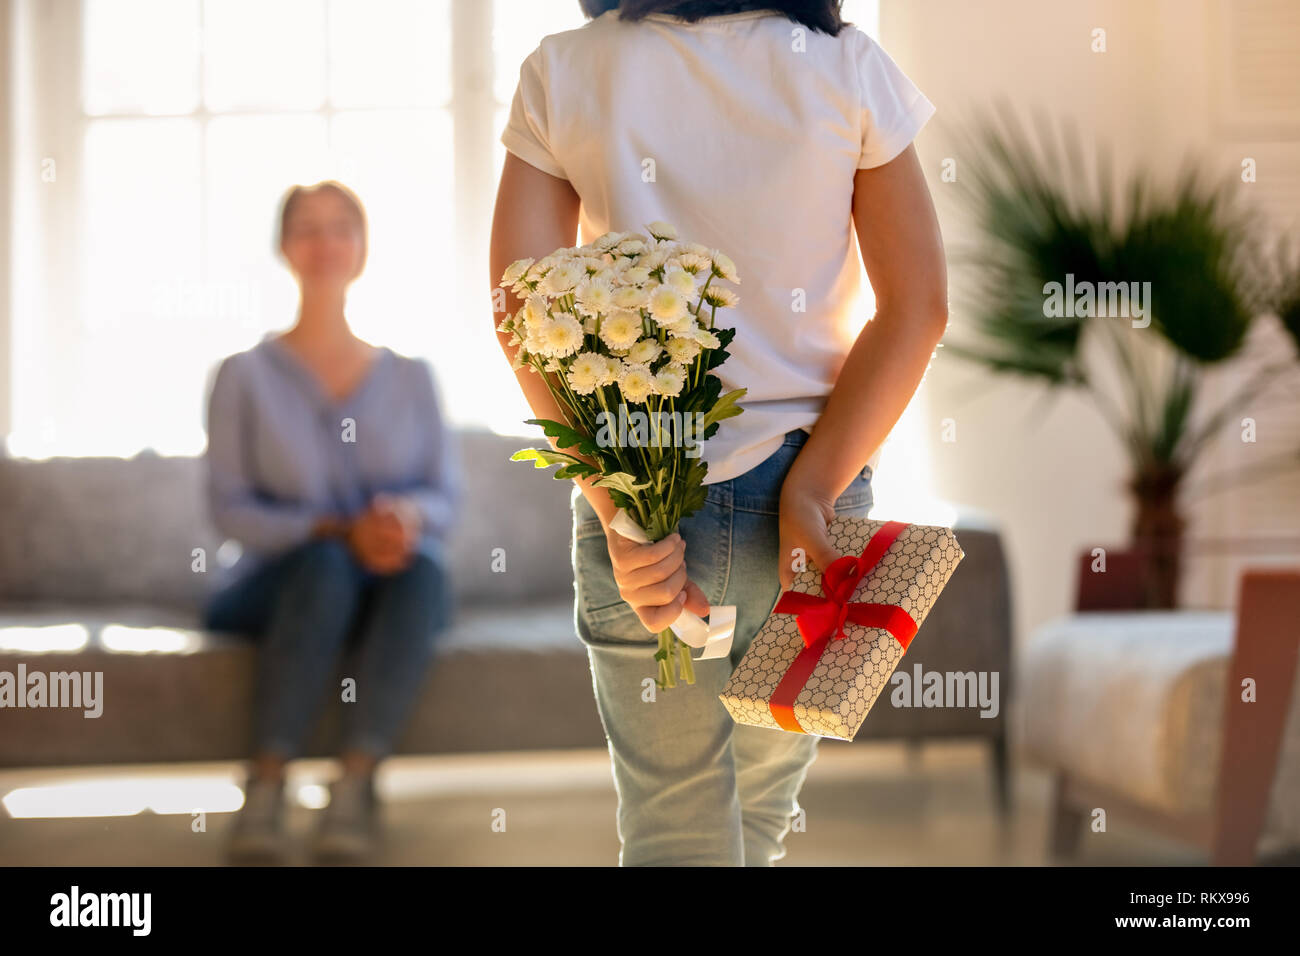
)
(622, 330)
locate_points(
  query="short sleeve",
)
(893, 110)
(527, 132)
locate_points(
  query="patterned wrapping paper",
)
(854, 669)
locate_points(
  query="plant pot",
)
(1157, 534)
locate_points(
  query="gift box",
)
(826, 652)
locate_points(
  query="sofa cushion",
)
(500, 680)
(125, 529)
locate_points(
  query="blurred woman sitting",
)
(328, 460)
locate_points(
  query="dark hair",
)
(350, 199)
(822, 15)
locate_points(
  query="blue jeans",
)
(310, 604)
(694, 787)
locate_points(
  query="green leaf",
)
(626, 502)
(725, 408)
(565, 436)
(694, 492)
(622, 482)
(545, 457)
(577, 471)
(720, 354)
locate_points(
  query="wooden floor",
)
(865, 803)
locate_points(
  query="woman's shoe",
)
(258, 835)
(349, 829)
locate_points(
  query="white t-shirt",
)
(743, 130)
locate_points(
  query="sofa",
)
(1186, 722)
(100, 572)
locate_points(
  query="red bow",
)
(822, 617)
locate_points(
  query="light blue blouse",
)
(282, 453)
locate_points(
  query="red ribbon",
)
(822, 617)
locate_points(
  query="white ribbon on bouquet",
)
(715, 634)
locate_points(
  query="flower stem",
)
(670, 647)
(688, 668)
(665, 656)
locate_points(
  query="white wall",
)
(6, 203)
(1049, 469)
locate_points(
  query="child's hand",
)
(652, 578)
(806, 515)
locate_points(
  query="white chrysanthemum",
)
(634, 275)
(681, 280)
(724, 267)
(662, 230)
(594, 296)
(560, 335)
(670, 378)
(608, 241)
(534, 311)
(587, 373)
(636, 382)
(681, 348)
(613, 368)
(562, 278)
(533, 340)
(666, 305)
(694, 263)
(721, 297)
(654, 259)
(644, 352)
(705, 338)
(621, 329)
(630, 297)
(632, 246)
(515, 271)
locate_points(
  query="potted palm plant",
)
(1130, 299)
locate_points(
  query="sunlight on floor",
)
(864, 803)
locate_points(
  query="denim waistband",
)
(759, 489)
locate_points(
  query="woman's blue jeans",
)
(694, 787)
(309, 605)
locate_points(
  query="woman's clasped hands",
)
(384, 536)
